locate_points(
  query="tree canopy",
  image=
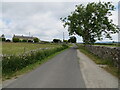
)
(36, 40)
(91, 21)
(57, 41)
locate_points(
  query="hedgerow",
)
(13, 63)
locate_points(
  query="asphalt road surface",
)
(62, 71)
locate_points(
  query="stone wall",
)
(106, 53)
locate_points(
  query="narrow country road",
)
(62, 71)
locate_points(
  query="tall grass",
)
(13, 63)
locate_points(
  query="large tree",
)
(91, 21)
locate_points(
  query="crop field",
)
(19, 48)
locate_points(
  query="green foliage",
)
(3, 39)
(24, 40)
(36, 40)
(108, 44)
(57, 40)
(72, 39)
(66, 41)
(65, 45)
(91, 22)
(13, 63)
(16, 40)
(20, 40)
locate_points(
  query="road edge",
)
(91, 81)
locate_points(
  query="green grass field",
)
(108, 45)
(19, 48)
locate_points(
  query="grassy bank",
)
(108, 65)
(15, 63)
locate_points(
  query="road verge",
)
(38, 60)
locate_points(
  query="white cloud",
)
(40, 19)
(56, 0)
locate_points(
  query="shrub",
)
(3, 39)
(66, 41)
(20, 40)
(15, 39)
(36, 40)
(24, 40)
(57, 41)
(65, 45)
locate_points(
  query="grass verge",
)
(109, 68)
(30, 67)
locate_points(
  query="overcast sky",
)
(41, 19)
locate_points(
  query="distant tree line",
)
(57, 41)
(36, 40)
(70, 40)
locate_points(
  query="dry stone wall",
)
(106, 53)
